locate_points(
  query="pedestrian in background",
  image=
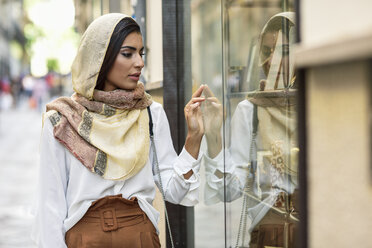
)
(97, 179)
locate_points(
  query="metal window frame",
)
(176, 23)
(302, 139)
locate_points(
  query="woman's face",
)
(126, 70)
(267, 49)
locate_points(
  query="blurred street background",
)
(38, 41)
(19, 148)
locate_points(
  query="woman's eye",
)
(142, 54)
(127, 55)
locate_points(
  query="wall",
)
(335, 50)
(340, 190)
(154, 44)
(334, 19)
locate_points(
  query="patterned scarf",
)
(109, 134)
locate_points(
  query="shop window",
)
(243, 51)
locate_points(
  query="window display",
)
(270, 188)
(250, 120)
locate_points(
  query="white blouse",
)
(67, 188)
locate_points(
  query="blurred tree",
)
(32, 34)
(52, 64)
(51, 38)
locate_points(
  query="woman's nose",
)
(139, 62)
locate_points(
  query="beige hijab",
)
(276, 109)
(107, 131)
(91, 53)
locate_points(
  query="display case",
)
(261, 103)
(242, 51)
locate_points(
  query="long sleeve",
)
(231, 177)
(177, 189)
(51, 208)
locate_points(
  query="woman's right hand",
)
(194, 121)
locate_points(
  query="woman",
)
(97, 182)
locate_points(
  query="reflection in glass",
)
(259, 167)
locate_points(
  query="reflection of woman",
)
(97, 182)
(275, 57)
(261, 162)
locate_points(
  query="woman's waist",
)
(114, 212)
(79, 209)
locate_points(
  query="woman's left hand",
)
(194, 120)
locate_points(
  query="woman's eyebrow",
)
(131, 48)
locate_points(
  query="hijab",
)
(107, 132)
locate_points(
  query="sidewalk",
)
(19, 148)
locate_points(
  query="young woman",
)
(97, 179)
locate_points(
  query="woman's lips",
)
(135, 77)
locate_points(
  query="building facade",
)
(13, 61)
(287, 116)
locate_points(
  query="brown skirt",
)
(113, 221)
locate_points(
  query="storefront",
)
(275, 162)
(243, 51)
(294, 165)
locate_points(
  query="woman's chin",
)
(128, 85)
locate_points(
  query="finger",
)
(197, 99)
(191, 106)
(192, 110)
(198, 92)
(212, 99)
(194, 100)
(194, 106)
(216, 104)
(207, 92)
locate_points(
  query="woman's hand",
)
(213, 117)
(193, 114)
(194, 120)
(212, 113)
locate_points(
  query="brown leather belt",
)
(112, 218)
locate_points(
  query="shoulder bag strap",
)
(157, 170)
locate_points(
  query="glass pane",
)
(206, 36)
(255, 174)
(261, 155)
(242, 50)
